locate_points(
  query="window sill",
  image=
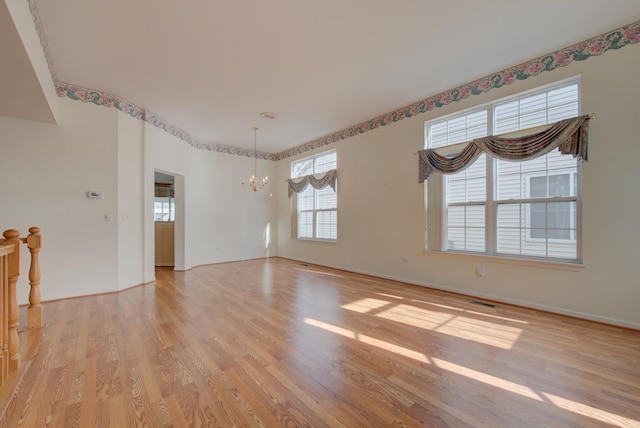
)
(551, 241)
(543, 264)
(325, 241)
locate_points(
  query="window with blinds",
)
(519, 209)
(466, 191)
(164, 209)
(316, 211)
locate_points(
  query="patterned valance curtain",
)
(569, 136)
(329, 179)
(164, 190)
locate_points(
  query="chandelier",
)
(254, 184)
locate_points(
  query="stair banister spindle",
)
(34, 312)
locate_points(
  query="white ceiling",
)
(212, 66)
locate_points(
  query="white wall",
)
(45, 175)
(224, 222)
(381, 206)
(130, 212)
(48, 169)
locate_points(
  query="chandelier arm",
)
(254, 184)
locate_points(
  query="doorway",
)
(164, 215)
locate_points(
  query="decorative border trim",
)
(582, 51)
(43, 41)
(86, 95)
(615, 39)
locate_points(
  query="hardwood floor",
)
(279, 343)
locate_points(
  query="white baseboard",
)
(502, 299)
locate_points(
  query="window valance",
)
(569, 136)
(329, 179)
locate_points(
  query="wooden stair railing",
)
(9, 310)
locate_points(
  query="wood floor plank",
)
(275, 342)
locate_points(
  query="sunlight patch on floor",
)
(481, 331)
(592, 412)
(390, 295)
(320, 272)
(331, 328)
(488, 379)
(365, 305)
(485, 332)
(452, 308)
(368, 340)
(506, 385)
(467, 311)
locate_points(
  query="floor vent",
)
(489, 305)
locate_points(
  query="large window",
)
(521, 209)
(316, 211)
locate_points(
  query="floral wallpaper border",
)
(86, 95)
(595, 46)
(616, 39)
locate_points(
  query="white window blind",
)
(316, 211)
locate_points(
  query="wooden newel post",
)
(12, 237)
(34, 313)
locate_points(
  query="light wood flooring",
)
(279, 343)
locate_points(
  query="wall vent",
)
(489, 305)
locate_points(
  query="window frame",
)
(436, 192)
(572, 218)
(295, 211)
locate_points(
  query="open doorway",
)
(164, 215)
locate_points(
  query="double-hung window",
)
(316, 210)
(528, 209)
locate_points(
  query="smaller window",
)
(316, 211)
(164, 209)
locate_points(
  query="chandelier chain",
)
(254, 184)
